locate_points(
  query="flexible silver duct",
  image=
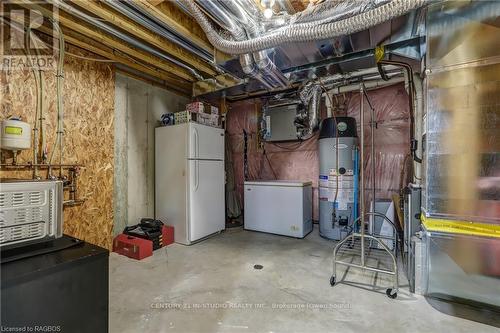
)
(250, 68)
(269, 69)
(310, 96)
(329, 11)
(245, 13)
(248, 15)
(286, 6)
(302, 32)
(223, 19)
(232, 15)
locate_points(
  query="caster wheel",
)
(389, 292)
(332, 281)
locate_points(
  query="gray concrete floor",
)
(212, 286)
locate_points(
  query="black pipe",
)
(411, 93)
(245, 155)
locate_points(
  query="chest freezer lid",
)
(281, 183)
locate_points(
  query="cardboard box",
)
(207, 119)
(200, 118)
(201, 107)
(198, 107)
(214, 110)
(182, 117)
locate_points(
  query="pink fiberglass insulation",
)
(391, 138)
(299, 160)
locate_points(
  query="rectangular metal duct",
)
(462, 158)
(461, 195)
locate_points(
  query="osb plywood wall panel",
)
(89, 134)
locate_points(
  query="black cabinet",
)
(61, 291)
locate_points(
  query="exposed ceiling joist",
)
(181, 24)
(103, 38)
(171, 82)
(155, 2)
(87, 44)
(185, 93)
(120, 21)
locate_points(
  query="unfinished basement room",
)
(250, 166)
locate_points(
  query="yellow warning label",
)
(461, 227)
(14, 130)
(379, 53)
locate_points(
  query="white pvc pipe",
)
(418, 112)
(328, 105)
(368, 85)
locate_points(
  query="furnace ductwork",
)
(368, 16)
(310, 95)
(330, 11)
(250, 68)
(241, 19)
(269, 69)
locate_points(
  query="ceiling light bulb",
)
(268, 13)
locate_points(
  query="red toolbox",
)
(167, 234)
(132, 247)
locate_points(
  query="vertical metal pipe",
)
(356, 186)
(372, 152)
(362, 173)
(407, 238)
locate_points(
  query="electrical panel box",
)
(279, 123)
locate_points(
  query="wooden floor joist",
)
(183, 27)
(172, 82)
(185, 93)
(106, 13)
(70, 22)
(155, 2)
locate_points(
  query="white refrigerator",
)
(189, 180)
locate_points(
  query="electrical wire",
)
(270, 165)
(295, 147)
(38, 133)
(60, 105)
(80, 56)
(89, 59)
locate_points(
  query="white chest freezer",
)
(279, 207)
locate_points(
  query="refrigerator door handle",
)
(196, 144)
(196, 175)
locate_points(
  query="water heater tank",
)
(16, 135)
(338, 182)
